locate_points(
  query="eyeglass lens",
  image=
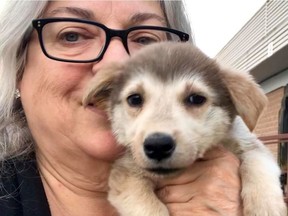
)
(84, 42)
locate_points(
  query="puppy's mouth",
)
(163, 171)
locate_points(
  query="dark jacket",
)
(21, 189)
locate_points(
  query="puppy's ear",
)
(247, 96)
(99, 88)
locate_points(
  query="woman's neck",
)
(77, 187)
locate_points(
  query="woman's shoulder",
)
(21, 188)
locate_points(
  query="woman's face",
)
(51, 91)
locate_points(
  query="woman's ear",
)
(247, 96)
(99, 88)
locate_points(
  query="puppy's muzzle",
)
(159, 146)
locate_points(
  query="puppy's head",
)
(169, 103)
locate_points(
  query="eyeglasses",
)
(83, 41)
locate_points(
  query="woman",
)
(56, 155)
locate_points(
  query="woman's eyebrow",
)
(139, 18)
(79, 12)
(135, 19)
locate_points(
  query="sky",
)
(1, 4)
(215, 22)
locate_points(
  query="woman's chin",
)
(103, 146)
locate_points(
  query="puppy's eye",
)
(135, 100)
(195, 99)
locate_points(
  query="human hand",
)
(210, 187)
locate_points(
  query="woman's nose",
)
(115, 52)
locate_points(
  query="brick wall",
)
(268, 122)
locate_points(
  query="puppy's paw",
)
(261, 204)
(136, 207)
(133, 195)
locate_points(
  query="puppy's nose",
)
(159, 146)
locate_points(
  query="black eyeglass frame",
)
(38, 24)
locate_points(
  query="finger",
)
(220, 152)
(205, 185)
(176, 194)
(190, 174)
(218, 161)
(198, 208)
(208, 189)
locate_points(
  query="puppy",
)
(168, 105)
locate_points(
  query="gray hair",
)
(15, 29)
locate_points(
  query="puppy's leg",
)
(261, 191)
(133, 194)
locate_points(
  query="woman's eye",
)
(145, 40)
(71, 37)
(135, 100)
(144, 37)
(195, 99)
(75, 36)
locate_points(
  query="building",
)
(261, 47)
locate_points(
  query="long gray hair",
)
(15, 29)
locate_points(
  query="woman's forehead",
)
(134, 12)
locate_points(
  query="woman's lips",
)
(93, 108)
